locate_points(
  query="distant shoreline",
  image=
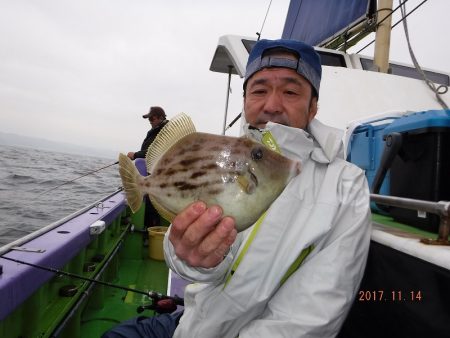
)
(15, 140)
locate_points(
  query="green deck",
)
(120, 305)
(389, 221)
(135, 270)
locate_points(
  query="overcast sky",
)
(84, 71)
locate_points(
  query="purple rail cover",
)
(19, 281)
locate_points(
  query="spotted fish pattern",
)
(237, 173)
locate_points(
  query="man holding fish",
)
(295, 270)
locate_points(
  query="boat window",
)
(331, 59)
(410, 72)
(326, 58)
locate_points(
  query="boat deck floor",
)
(111, 306)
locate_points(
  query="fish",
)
(239, 174)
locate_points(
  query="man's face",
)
(279, 95)
(154, 120)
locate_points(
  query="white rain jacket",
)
(326, 206)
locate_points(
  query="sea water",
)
(26, 173)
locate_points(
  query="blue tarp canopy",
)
(317, 21)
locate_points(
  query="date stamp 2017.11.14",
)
(389, 296)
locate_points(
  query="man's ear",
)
(312, 109)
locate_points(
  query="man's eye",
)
(258, 91)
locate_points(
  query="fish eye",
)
(257, 154)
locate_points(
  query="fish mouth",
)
(253, 178)
(248, 181)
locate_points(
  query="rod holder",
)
(441, 208)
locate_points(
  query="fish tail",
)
(130, 177)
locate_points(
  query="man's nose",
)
(273, 103)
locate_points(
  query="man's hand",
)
(131, 155)
(200, 236)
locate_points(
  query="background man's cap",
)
(155, 111)
(308, 63)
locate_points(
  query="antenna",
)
(264, 22)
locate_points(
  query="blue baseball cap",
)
(308, 63)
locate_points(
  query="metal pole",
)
(441, 208)
(383, 36)
(230, 68)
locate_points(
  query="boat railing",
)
(441, 208)
(17, 243)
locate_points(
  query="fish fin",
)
(163, 212)
(174, 130)
(130, 177)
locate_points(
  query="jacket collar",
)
(329, 141)
(319, 142)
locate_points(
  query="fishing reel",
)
(161, 303)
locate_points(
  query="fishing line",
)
(77, 178)
(151, 294)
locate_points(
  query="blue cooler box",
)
(421, 168)
(365, 150)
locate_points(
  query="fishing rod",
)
(151, 294)
(77, 178)
(233, 122)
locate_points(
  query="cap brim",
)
(146, 116)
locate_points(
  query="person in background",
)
(296, 271)
(157, 118)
